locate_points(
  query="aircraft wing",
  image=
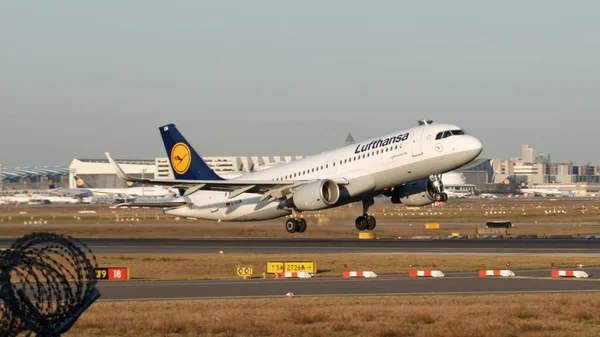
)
(75, 193)
(269, 188)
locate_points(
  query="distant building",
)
(99, 173)
(33, 177)
(479, 172)
(542, 158)
(527, 154)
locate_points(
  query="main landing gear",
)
(295, 224)
(366, 221)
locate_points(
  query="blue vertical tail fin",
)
(51, 184)
(80, 183)
(131, 184)
(185, 161)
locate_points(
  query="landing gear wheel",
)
(301, 225)
(361, 223)
(371, 223)
(438, 197)
(444, 197)
(292, 226)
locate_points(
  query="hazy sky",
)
(78, 78)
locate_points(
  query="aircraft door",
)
(213, 201)
(416, 147)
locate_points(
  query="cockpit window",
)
(449, 133)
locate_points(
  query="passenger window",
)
(344, 161)
(363, 155)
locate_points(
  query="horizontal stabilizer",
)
(152, 204)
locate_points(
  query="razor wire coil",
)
(46, 282)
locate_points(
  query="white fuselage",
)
(131, 192)
(541, 191)
(368, 167)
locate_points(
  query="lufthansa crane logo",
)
(181, 158)
(79, 182)
(129, 183)
(50, 182)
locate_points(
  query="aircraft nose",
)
(474, 145)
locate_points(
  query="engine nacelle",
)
(315, 196)
(419, 193)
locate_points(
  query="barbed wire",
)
(46, 282)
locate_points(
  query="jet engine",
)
(419, 193)
(314, 196)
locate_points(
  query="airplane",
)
(458, 194)
(542, 192)
(27, 198)
(133, 190)
(406, 166)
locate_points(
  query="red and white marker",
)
(367, 273)
(569, 273)
(496, 272)
(425, 273)
(301, 274)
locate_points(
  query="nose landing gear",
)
(438, 186)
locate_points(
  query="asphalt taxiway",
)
(322, 246)
(526, 282)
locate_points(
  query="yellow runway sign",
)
(275, 267)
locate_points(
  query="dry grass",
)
(207, 266)
(273, 229)
(394, 220)
(434, 316)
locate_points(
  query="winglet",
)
(120, 173)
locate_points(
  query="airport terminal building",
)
(99, 172)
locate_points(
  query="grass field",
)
(432, 316)
(547, 216)
(209, 266)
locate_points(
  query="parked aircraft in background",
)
(542, 192)
(84, 189)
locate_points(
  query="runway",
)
(324, 246)
(527, 282)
